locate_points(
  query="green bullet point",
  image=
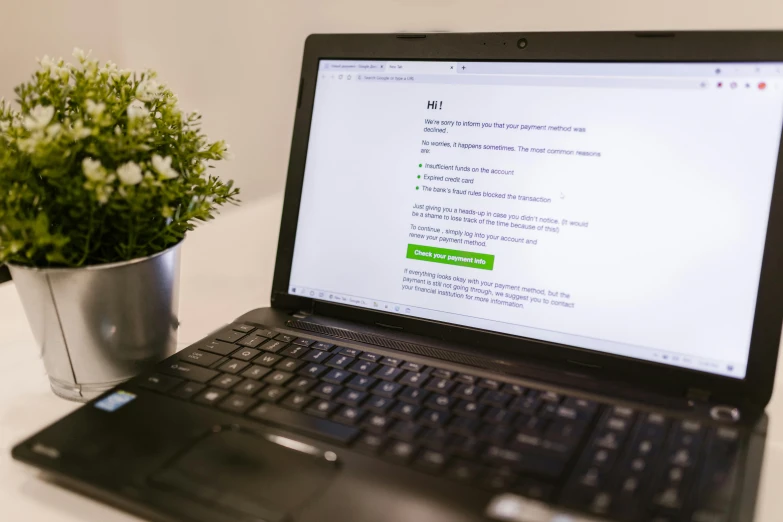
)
(419, 165)
(418, 177)
(417, 188)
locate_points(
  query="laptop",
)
(520, 277)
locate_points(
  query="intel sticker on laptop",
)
(115, 401)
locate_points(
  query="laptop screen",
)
(616, 207)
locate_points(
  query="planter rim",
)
(101, 266)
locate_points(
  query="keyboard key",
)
(440, 402)
(466, 379)
(245, 354)
(469, 409)
(204, 359)
(400, 452)
(550, 396)
(526, 404)
(296, 401)
(442, 374)
(322, 408)
(413, 367)
(325, 390)
(296, 421)
(285, 338)
(363, 367)
(464, 471)
(254, 372)
(584, 408)
(386, 389)
(413, 379)
(372, 357)
(361, 383)
(278, 377)
(498, 416)
(496, 434)
(413, 395)
(351, 397)
(294, 351)
(339, 361)
(336, 376)
(350, 352)
(218, 347)
(391, 361)
(272, 346)
(302, 384)
(530, 425)
(187, 390)
(272, 393)
(500, 478)
(161, 383)
(313, 370)
(289, 365)
(514, 389)
(268, 359)
(405, 412)
(378, 404)
(244, 328)
(210, 396)
(465, 446)
(433, 418)
(469, 392)
(315, 356)
(439, 385)
(229, 336)
(495, 398)
(490, 384)
(304, 342)
(348, 415)
(248, 387)
(388, 373)
(326, 347)
(252, 341)
(225, 381)
(406, 431)
(369, 443)
(533, 464)
(435, 438)
(265, 333)
(430, 461)
(237, 403)
(623, 411)
(233, 366)
(463, 426)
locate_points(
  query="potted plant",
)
(102, 175)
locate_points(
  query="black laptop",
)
(526, 278)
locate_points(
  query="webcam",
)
(522, 43)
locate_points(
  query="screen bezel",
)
(755, 388)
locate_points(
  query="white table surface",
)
(218, 283)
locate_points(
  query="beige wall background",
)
(237, 61)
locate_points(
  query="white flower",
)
(4, 126)
(53, 130)
(117, 130)
(39, 117)
(163, 167)
(137, 110)
(80, 55)
(95, 109)
(93, 169)
(79, 131)
(129, 174)
(60, 72)
(46, 63)
(148, 90)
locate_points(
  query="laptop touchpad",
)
(263, 477)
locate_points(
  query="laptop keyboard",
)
(607, 460)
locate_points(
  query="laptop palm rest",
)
(262, 477)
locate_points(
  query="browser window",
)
(619, 207)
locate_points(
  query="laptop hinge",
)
(697, 394)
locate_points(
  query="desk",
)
(226, 270)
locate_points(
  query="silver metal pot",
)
(100, 325)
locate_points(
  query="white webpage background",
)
(677, 205)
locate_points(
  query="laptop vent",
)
(417, 349)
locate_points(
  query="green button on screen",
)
(448, 256)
